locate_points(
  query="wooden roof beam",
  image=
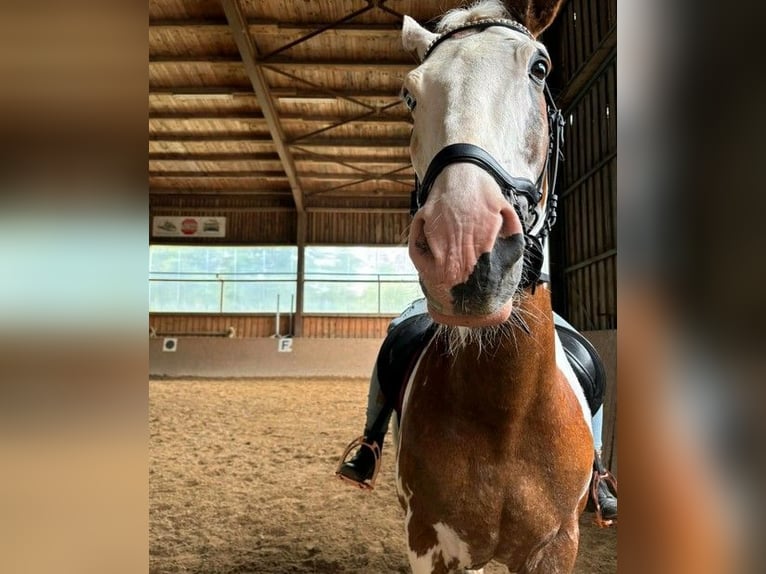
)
(257, 116)
(281, 93)
(239, 30)
(208, 137)
(223, 174)
(355, 142)
(256, 139)
(202, 92)
(290, 63)
(253, 157)
(185, 192)
(275, 27)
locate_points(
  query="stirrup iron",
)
(611, 482)
(360, 441)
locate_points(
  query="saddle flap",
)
(585, 362)
(399, 352)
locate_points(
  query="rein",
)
(510, 186)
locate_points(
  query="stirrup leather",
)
(611, 482)
(368, 484)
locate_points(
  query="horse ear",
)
(415, 38)
(536, 15)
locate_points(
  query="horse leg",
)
(438, 549)
(558, 555)
(422, 568)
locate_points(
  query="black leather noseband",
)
(469, 153)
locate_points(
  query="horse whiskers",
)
(520, 309)
(458, 339)
(519, 321)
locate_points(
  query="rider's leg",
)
(597, 422)
(606, 499)
(362, 465)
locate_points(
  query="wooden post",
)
(301, 241)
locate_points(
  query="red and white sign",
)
(167, 226)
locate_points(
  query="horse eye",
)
(408, 100)
(539, 70)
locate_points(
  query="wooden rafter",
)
(369, 117)
(298, 156)
(239, 29)
(318, 30)
(281, 93)
(261, 26)
(239, 174)
(287, 63)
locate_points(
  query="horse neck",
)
(512, 365)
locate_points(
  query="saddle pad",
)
(399, 352)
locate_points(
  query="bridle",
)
(510, 186)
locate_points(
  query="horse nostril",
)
(510, 223)
(419, 248)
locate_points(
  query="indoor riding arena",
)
(280, 182)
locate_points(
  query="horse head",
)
(480, 148)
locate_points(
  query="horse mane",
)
(476, 11)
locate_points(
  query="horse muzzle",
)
(485, 298)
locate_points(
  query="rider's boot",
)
(607, 501)
(361, 467)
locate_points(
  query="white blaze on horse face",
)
(474, 87)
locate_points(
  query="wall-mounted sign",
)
(285, 345)
(171, 226)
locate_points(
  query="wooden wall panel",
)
(584, 242)
(358, 228)
(249, 220)
(579, 29)
(193, 324)
(256, 227)
(274, 222)
(343, 326)
(254, 326)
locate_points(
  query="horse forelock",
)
(477, 11)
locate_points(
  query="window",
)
(359, 280)
(192, 279)
(338, 280)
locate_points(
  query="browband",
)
(481, 24)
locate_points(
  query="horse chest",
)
(475, 471)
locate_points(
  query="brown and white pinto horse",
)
(494, 443)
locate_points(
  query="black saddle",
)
(399, 351)
(405, 341)
(585, 361)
